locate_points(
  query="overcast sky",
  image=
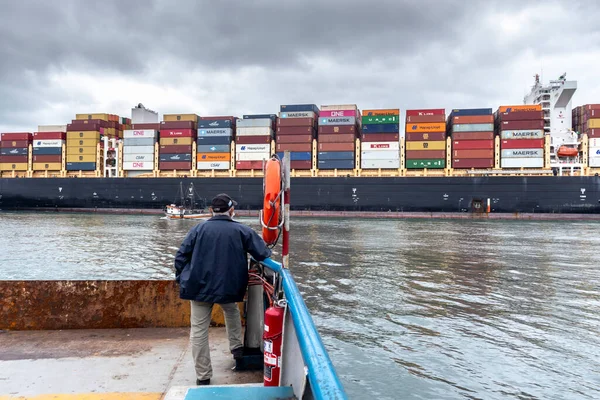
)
(62, 57)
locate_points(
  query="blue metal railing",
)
(323, 379)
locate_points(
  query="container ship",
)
(542, 156)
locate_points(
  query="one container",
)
(521, 162)
(138, 165)
(139, 133)
(339, 107)
(338, 113)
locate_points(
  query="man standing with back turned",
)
(211, 267)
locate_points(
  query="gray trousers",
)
(200, 321)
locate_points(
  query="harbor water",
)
(408, 309)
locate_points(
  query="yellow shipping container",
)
(84, 135)
(47, 166)
(593, 123)
(431, 145)
(103, 117)
(80, 151)
(110, 131)
(13, 167)
(429, 127)
(185, 141)
(81, 157)
(82, 143)
(180, 117)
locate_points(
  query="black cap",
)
(222, 202)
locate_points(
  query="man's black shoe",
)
(237, 353)
(203, 382)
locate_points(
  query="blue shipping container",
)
(176, 157)
(381, 128)
(470, 112)
(215, 132)
(336, 164)
(19, 151)
(297, 156)
(210, 140)
(81, 166)
(214, 123)
(47, 151)
(336, 155)
(215, 148)
(299, 107)
(273, 117)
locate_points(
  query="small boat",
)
(186, 210)
(564, 151)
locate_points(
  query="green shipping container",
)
(420, 164)
(381, 119)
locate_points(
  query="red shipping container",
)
(592, 114)
(86, 122)
(329, 129)
(338, 138)
(518, 125)
(294, 147)
(253, 140)
(47, 159)
(436, 111)
(245, 165)
(13, 144)
(336, 147)
(49, 135)
(294, 138)
(473, 136)
(476, 154)
(177, 125)
(301, 164)
(83, 128)
(16, 136)
(424, 136)
(295, 130)
(473, 163)
(416, 119)
(176, 149)
(473, 119)
(295, 122)
(522, 144)
(170, 165)
(155, 127)
(168, 133)
(521, 116)
(14, 159)
(593, 133)
(425, 154)
(472, 144)
(371, 137)
(591, 107)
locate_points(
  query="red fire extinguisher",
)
(272, 344)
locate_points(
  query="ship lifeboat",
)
(564, 151)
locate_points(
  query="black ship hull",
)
(505, 194)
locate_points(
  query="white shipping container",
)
(253, 123)
(52, 128)
(139, 133)
(380, 155)
(594, 152)
(138, 149)
(252, 148)
(339, 107)
(48, 143)
(138, 157)
(473, 128)
(521, 162)
(522, 153)
(252, 156)
(215, 132)
(139, 142)
(523, 134)
(138, 165)
(254, 131)
(376, 164)
(594, 142)
(204, 165)
(297, 114)
(594, 161)
(374, 146)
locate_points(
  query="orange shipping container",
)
(527, 107)
(473, 119)
(473, 154)
(379, 113)
(213, 157)
(424, 127)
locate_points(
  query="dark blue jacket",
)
(212, 263)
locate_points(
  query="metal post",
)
(285, 251)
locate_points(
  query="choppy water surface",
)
(408, 309)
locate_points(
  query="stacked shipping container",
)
(380, 145)
(586, 119)
(83, 137)
(48, 142)
(254, 134)
(177, 133)
(14, 151)
(296, 130)
(521, 130)
(425, 138)
(138, 147)
(338, 130)
(215, 136)
(472, 132)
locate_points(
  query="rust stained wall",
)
(47, 305)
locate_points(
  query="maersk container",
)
(206, 165)
(139, 133)
(83, 166)
(383, 164)
(522, 134)
(138, 149)
(430, 164)
(522, 153)
(139, 142)
(335, 155)
(381, 128)
(47, 151)
(337, 121)
(214, 148)
(255, 131)
(252, 156)
(336, 164)
(15, 152)
(298, 108)
(254, 123)
(299, 114)
(470, 111)
(522, 162)
(380, 155)
(138, 157)
(252, 148)
(216, 132)
(214, 123)
(380, 146)
(175, 157)
(298, 156)
(472, 127)
(138, 165)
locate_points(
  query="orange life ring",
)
(271, 214)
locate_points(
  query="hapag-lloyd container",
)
(522, 153)
(252, 156)
(426, 127)
(370, 146)
(594, 143)
(381, 112)
(338, 113)
(298, 156)
(48, 143)
(139, 133)
(521, 162)
(472, 127)
(138, 165)
(213, 157)
(207, 165)
(594, 161)
(175, 157)
(522, 144)
(298, 114)
(522, 134)
(380, 155)
(216, 132)
(337, 121)
(520, 108)
(139, 142)
(14, 151)
(214, 123)
(252, 148)
(149, 157)
(383, 164)
(254, 123)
